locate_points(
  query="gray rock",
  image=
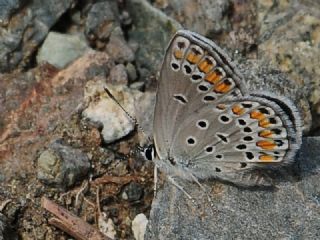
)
(208, 18)
(118, 75)
(137, 85)
(152, 30)
(102, 19)
(8, 8)
(118, 48)
(132, 72)
(109, 158)
(133, 191)
(62, 49)
(289, 39)
(103, 110)
(26, 29)
(6, 231)
(62, 166)
(139, 225)
(288, 211)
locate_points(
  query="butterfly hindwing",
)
(251, 132)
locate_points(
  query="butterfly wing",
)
(192, 67)
(206, 121)
(250, 132)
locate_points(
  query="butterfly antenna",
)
(132, 119)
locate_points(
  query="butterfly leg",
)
(171, 179)
(195, 179)
(155, 180)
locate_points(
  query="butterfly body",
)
(207, 125)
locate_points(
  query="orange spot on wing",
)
(221, 106)
(192, 58)
(238, 110)
(213, 77)
(257, 115)
(264, 123)
(223, 87)
(266, 144)
(266, 158)
(265, 133)
(206, 65)
(178, 54)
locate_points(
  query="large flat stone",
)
(62, 49)
(290, 210)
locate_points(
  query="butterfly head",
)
(149, 152)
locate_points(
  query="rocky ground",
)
(63, 138)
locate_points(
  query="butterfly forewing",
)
(193, 74)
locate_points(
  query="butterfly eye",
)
(149, 152)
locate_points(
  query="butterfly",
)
(206, 123)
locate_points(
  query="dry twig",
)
(71, 224)
(115, 179)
